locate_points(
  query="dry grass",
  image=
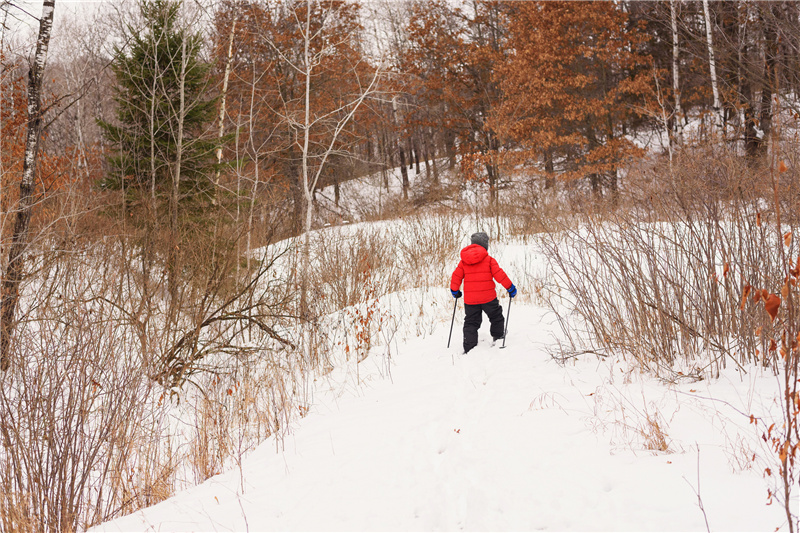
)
(654, 435)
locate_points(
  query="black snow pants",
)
(474, 317)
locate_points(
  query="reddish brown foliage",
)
(569, 87)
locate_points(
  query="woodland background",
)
(161, 159)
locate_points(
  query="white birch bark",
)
(309, 179)
(221, 131)
(176, 181)
(151, 123)
(256, 152)
(713, 67)
(676, 86)
(306, 264)
(19, 240)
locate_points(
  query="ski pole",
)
(508, 315)
(455, 304)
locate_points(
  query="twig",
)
(574, 354)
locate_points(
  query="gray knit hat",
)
(480, 238)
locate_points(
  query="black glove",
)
(456, 294)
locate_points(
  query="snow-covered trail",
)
(497, 439)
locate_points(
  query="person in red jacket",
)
(478, 270)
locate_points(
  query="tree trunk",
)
(450, 140)
(770, 59)
(415, 145)
(386, 159)
(403, 169)
(221, 130)
(426, 156)
(19, 241)
(549, 173)
(491, 174)
(175, 240)
(306, 257)
(431, 142)
(712, 65)
(298, 198)
(676, 86)
(745, 87)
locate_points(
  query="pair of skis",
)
(508, 315)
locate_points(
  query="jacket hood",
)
(473, 254)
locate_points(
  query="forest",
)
(170, 171)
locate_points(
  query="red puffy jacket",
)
(478, 270)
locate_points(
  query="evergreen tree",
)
(158, 68)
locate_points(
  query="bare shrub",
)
(782, 435)
(529, 209)
(661, 278)
(345, 262)
(352, 265)
(73, 408)
(428, 245)
(102, 352)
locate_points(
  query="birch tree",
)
(333, 121)
(676, 86)
(712, 65)
(9, 294)
(300, 68)
(223, 100)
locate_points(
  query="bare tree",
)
(16, 261)
(223, 96)
(676, 86)
(317, 46)
(712, 65)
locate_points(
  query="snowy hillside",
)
(420, 437)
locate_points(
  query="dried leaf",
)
(787, 238)
(772, 304)
(782, 166)
(745, 293)
(772, 345)
(758, 219)
(725, 270)
(785, 291)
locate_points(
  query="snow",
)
(496, 439)
(420, 437)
